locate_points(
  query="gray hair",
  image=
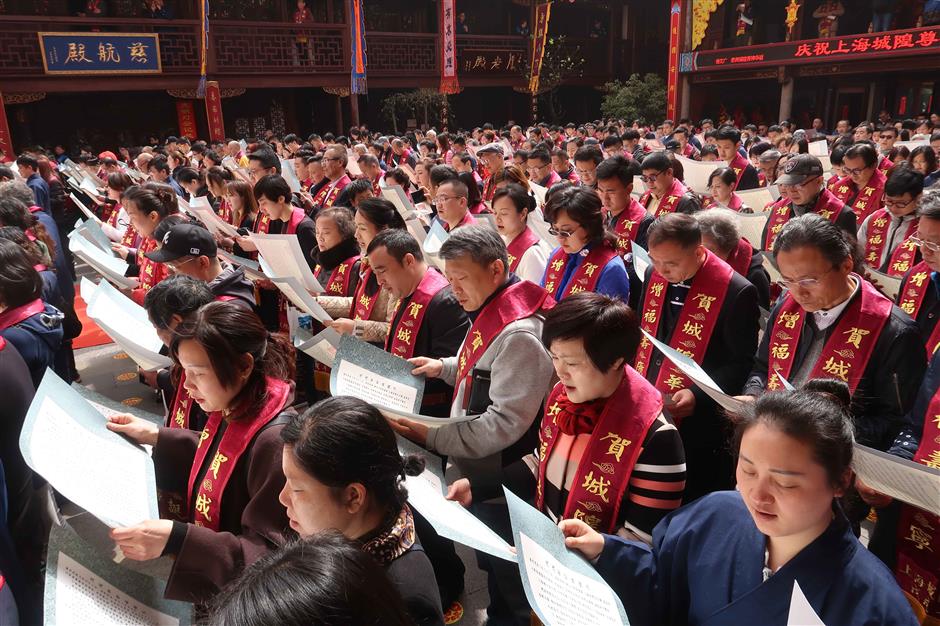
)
(16, 189)
(814, 231)
(340, 153)
(481, 243)
(721, 226)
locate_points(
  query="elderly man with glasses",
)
(888, 234)
(803, 190)
(833, 324)
(334, 168)
(919, 295)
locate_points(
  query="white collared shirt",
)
(825, 319)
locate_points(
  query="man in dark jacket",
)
(190, 249)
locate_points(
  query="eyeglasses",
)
(803, 283)
(443, 199)
(583, 173)
(893, 204)
(929, 246)
(175, 265)
(652, 177)
(330, 159)
(854, 171)
(561, 234)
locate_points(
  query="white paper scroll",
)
(216, 225)
(758, 198)
(751, 227)
(251, 268)
(81, 207)
(109, 266)
(65, 441)
(539, 192)
(436, 237)
(125, 322)
(375, 376)
(288, 174)
(321, 347)
(699, 376)
(819, 148)
(536, 222)
(89, 187)
(914, 483)
(284, 257)
(299, 297)
(888, 285)
(92, 232)
(641, 260)
(397, 196)
(696, 173)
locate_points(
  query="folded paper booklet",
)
(550, 571)
(252, 268)
(819, 148)
(89, 214)
(90, 230)
(284, 258)
(64, 440)
(298, 296)
(696, 173)
(449, 519)
(126, 322)
(108, 266)
(888, 285)
(694, 371)
(907, 481)
(83, 587)
(539, 192)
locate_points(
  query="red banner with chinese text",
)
(186, 115)
(672, 82)
(543, 13)
(214, 111)
(6, 140)
(449, 83)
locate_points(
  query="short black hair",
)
(728, 133)
(177, 294)
(541, 155)
(904, 179)
(608, 328)
(398, 243)
(267, 158)
(679, 228)
(19, 281)
(864, 151)
(158, 163)
(28, 161)
(272, 187)
(188, 175)
(619, 167)
(658, 161)
(814, 231)
(589, 153)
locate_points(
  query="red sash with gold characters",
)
(911, 298)
(151, 272)
(867, 200)
(225, 211)
(846, 353)
(603, 473)
(130, 238)
(903, 257)
(489, 188)
(178, 416)
(115, 214)
(518, 246)
(401, 339)
(695, 325)
(262, 223)
(467, 219)
(363, 304)
(329, 193)
(669, 201)
(582, 279)
(739, 165)
(918, 541)
(12, 317)
(338, 284)
(740, 257)
(627, 225)
(515, 302)
(827, 206)
(206, 501)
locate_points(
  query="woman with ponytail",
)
(736, 557)
(344, 472)
(146, 205)
(229, 475)
(528, 254)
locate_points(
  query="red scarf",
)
(619, 425)
(518, 246)
(585, 277)
(206, 501)
(225, 212)
(402, 337)
(918, 539)
(740, 257)
(151, 272)
(515, 302)
(669, 201)
(330, 192)
(12, 317)
(130, 238)
(848, 349)
(363, 304)
(178, 417)
(827, 206)
(865, 201)
(338, 284)
(903, 256)
(911, 298)
(739, 165)
(695, 325)
(627, 225)
(467, 219)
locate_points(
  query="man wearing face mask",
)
(694, 302)
(803, 190)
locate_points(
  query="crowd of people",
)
(565, 250)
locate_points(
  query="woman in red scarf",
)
(229, 474)
(146, 206)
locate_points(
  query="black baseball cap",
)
(800, 168)
(185, 240)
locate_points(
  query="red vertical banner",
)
(214, 111)
(543, 13)
(186, 115)
(449, 83)
(672, 82)
(6, 140)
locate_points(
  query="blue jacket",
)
(37, 339)
(613, 282)
(40, 190)
(63, 270)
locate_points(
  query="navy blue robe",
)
(706, 567)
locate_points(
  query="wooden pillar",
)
(354, 108)
(6, 140)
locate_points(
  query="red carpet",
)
(91, 334)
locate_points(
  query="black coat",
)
(888, 385)
(413, 577)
